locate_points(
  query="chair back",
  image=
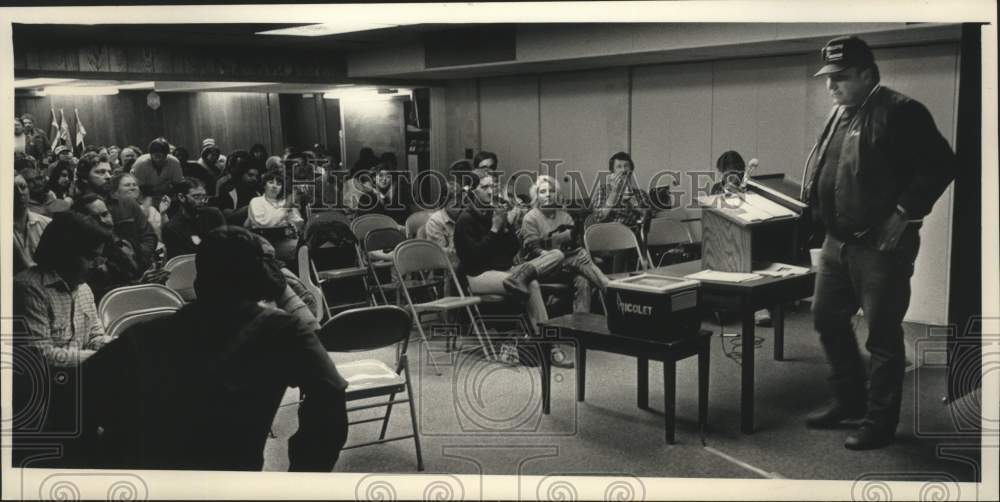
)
(666, 232)
(382, 239)
(417, 255)
(182, 275)
(366, 328)
(171, 263)
(140, 316)
(416, 221)
(306, 274)
(613, 236)
(363, 224)
(122, 301)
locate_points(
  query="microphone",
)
(746, 174)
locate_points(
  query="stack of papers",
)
(781, 270)
(714, 275)
(749, 207)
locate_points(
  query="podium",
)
(760, 225)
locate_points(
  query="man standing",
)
(878, 167)
(36, 142)
(156, 170)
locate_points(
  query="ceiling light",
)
(324, 29)
(37, 82)
(366, 93)
(138, 85)
(80, 91)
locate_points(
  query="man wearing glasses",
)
(191, 218)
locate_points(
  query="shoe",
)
(869, 437)
(834, 416)
(762, 318)
(516, 284)
(560, 360)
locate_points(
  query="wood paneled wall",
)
(234, 120)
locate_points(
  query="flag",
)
(80, 130)
(63, 138)
(54, 129)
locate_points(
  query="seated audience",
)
(28, 226)
(52, 296)
(275, 216)
(114, 156)
(547, 227)
(440, 227)
(212, 408)
(620, 199)
(158, 168)
(236, 191)
(40, 199)
(126, 186)
(118, 267)
(487, 246)
(388, 195)
(93, 175)
(190, 219)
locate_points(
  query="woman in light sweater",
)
(549, 227)
(275, 216)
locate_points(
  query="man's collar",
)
(51, 278)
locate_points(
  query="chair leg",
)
(413, 418)
(388, 413)
(483, 340)
(427, 345)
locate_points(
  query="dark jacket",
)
(199, 390)
(478, 248)
(132, 224)
(892, 155)
(181, 233)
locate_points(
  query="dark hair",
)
(60, 167)
(27, 116)
(209, 150)
(273, 174)
(231, 267)
(389, 160)
(366, 161)
(182, 155)
(159, 145)
(185, 185)
(83, 167)
(460, 165)
(69, 236)
(730, 161)
(258, 148)
(620, 156)
(92, 148)
(23, 163)
(237, 162)
(481, 156)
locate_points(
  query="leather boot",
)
(517, 282)
(836, 415)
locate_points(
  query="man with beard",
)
(93, 175)
(192, 220)
(118, 267)
(28, 227)
(36, 142)
(127, 158)
(41, 200)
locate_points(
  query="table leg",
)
(546, 379)
(581, 373)
(747, 376)
(643, 379)
(778, 321)
(669, 398)
(704, 353)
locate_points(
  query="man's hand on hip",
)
(892, 229)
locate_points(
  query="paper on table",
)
(714, 275)
(781, 270)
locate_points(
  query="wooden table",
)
(590, 332)
(747, 298)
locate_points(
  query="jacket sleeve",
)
(322, 432)
(146, 239)
(533, 242)
(476, 241)
(923, 156)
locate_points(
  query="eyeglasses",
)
(198, 196)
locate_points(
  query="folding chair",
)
(613, 237)
(309, 275)
(128, 320)
(365, 329)
(416, 221)
(182, 275)
(667, 232)
(122, 301)
(414, 256)
(387, 239)
(360, 226)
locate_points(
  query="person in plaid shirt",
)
(620, 199)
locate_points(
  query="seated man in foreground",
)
(199, 389)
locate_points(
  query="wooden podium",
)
(758, 226)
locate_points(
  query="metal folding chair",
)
(182, 275)
(416, 221)
(667, 232)
(365, 329)
(613, 237)
(125, 300)
(140, 316)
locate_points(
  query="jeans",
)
(491, 282)
(853, 275)
(579, 269)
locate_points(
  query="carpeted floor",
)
(485, 418)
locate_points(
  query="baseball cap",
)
(842, 53)
(61, 148)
